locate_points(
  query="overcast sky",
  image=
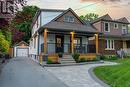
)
(116, 8)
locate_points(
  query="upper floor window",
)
(107, 27)
(115, 26)
(69, 19)
(124, 29)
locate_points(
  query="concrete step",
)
(67, 62)
(67, 59)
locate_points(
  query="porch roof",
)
(65, 26)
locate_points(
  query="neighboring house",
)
(115, 34)
(61, 31)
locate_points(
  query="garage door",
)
(22, 52)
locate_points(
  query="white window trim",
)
(117, 25)
(68, 20)
(112, 44)
(108, 27)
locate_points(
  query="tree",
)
(23, 20)
(4, 44)
(89, 17)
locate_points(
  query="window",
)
(34, 42)
(69, 19)
(110, 45)
(107, 27)
(77, 41)
(115, 26)
(124, 29)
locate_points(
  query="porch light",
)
(72, 33)
(45, 30)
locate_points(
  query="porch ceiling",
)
(68, 27)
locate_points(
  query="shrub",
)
(76, 57)
(49, 61)
(83, 60)
(102, 57)
(114, 57)
(96, 58)
(60, 54)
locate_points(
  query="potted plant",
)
(60, 55)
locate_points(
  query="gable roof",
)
(124, 20)
(104, 17)
(108, 18)
(71, 12)
(21, 43)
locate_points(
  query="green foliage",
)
(89, 17)
(76, 56)
(60, 54)
(115, 75)
(23, 20)
(83, 60)
(49, 61)
(7, 35)
(4, 44)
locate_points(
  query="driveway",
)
(78, 76)
(23, 72)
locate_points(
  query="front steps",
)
(67, 59)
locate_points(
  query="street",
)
(23, 72)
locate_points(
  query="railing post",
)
(45, 41)
(96, 38)
(72, 42)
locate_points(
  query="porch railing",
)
(66, 47)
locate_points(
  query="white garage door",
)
(22, 52)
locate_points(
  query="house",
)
(61, 31)
(115, 34)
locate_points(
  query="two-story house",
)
(115, 34)
(61, 31)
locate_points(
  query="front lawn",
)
(116, 75)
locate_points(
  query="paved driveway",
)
(23, 72)
(77, 76)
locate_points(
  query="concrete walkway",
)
(23, 72)
(77, 76)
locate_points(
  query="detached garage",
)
(21, 49)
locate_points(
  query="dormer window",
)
(115, 26)
(107, 27)
(69, 19)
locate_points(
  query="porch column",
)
(124, 45)
(72, 42)
(45, 41)
(96, 38)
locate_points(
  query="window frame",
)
(108, 26)
(110, 44)
(68, 19)
(124, 28)
(117, 25)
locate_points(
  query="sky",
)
(115, 8)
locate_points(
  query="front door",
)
(59, 43)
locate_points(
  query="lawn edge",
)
(91, 72)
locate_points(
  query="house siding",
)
(102, 45)
(61, 19)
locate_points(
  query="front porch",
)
(68, 42)
(53, 42)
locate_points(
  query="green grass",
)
(116, 75)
